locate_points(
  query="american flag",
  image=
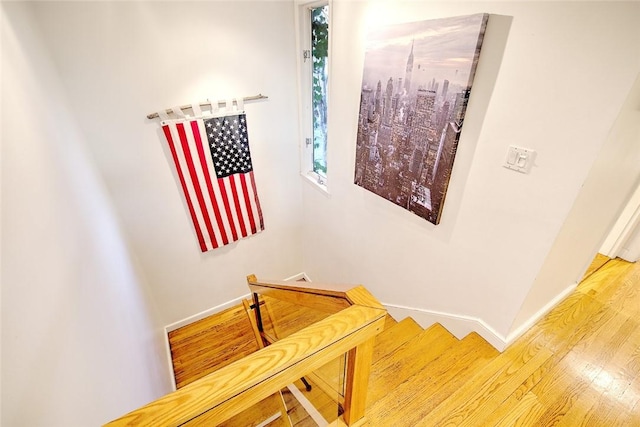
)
(213, 163)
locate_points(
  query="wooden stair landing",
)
(578, 366)
(209, 344)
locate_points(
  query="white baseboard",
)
(167, 351)
(515, 334)
(458, 325)
(206, 313)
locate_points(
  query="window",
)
(320, 74)
(313, 43)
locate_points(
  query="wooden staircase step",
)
(407, 359)
(418, 394)
(499, 378)
(394, 336)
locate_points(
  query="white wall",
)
(81, 340)
(618, 240)
(120, 61)
(609, 184)
(551, 77)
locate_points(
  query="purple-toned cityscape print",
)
(415, 89)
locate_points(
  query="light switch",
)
(519, 159)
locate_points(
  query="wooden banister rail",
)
(322, 297)
(240, 385)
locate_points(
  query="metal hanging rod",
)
(204, 104)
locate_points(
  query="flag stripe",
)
(198, 128)
(251, 206)
(167, 133)
(237, 182)
(211, 238)
(182, 161)
(247, 203)
(196, 184)
(182, 158)
(257, 201)
(224, 212)
(236, 202)
(194, 141)
(203, 171)
(222, 183)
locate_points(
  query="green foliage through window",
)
(320, 54)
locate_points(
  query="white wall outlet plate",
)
(519, 159)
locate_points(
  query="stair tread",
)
(408, 358)
(498, 379)
(418, 394)
(394, 336)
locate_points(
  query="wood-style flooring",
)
(578, 366)
(209, 344)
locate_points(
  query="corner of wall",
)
(527, 324)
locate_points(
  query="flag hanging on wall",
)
(213, 164)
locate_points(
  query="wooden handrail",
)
(322, 297)
(240, 385)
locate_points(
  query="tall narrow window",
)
(313, 19)
(320, 78)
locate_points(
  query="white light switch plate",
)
(519, 159)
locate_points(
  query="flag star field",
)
(229, 145)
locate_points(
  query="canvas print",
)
(415, 89)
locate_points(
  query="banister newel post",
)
(359, 361)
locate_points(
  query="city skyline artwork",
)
(416, 84)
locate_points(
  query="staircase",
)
(579, 365)
(415, 371)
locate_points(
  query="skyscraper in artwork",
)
(409, 71)
(387, 103)
(445, 88)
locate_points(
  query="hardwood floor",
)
(595, 265)
(209, 344)
(578, 366)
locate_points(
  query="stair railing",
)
(357, 317)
